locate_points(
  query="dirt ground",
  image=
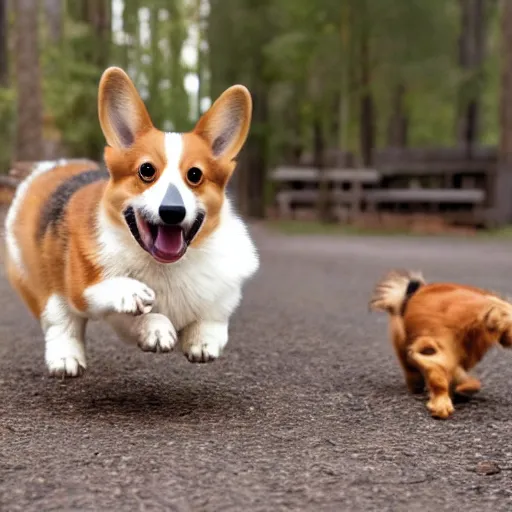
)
(306, 410)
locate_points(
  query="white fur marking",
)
(118, 295)
(149, 201)
(12, 215)
(64, 337)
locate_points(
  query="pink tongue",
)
(169, 242)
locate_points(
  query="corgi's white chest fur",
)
(204, 285)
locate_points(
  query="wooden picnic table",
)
(286, 174)
(338, 197)
(447, 180)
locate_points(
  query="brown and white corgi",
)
(152, 246)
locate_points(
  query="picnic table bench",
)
(454, 182)
(427, 195)
(301, 186)
(447, 180)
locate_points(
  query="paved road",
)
(307, 409)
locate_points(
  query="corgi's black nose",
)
(172, 209)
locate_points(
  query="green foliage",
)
(70, 90)
(491, 96)
(305, 57)
(73, 69)
(315, 58)
(8, 116)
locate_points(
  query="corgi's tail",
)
(393, 291)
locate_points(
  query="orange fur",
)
(47, 260)
(123, 165)
(440, 332)
(149, 147)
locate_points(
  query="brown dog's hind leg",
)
(465, 384)
(437, 368)
(414, 380)
(413, 377)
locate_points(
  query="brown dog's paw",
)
(440, 407)
(498, 321)
(469, 387)
(495, 317)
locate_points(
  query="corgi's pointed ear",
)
(122, 113)
(226, 124)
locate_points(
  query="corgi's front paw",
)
(135, 298)
(119, 295)
(203, 342)
(157, 334)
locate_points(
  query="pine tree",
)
(29, 142)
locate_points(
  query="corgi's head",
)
(168, 188)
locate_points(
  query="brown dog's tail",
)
(394, 290)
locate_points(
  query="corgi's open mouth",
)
(166, 243)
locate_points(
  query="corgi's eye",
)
(194, 175)
(147, 172)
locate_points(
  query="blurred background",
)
(375, 114)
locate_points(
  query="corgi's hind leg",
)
(64, 333)
(63, 330)
(21, 287)
(438, 366)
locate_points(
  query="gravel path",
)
(307, 409)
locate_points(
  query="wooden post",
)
(502, 212)
(471, 57)
(357, 193)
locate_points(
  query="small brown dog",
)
(440, 331)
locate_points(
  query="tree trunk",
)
(471, 57)
(367, 106)
(201, 56)
(130, 27)
(232, 62)
(98, 15)
(180, 103)
(29, 144)
(153, 73)
(250, 178)
(503, 184)
(224, 61)
(294, 122)
(258, 147)
(4, 45)
(324, 211)
(398, 122)
(291, 124)
(53, 14)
